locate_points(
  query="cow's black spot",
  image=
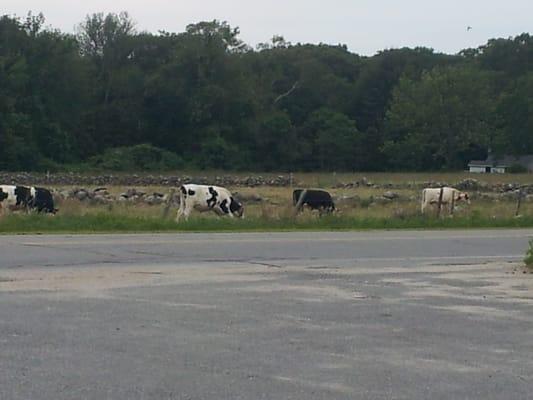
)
(44, 201)
(183, 190)
(224, 206)
(191, 192)
(213, 199)
(234, 205)
(23, 196)
(3, 195)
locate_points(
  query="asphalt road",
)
(372, 315)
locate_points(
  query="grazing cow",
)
(42, 200)
(14, 198)
(314, 199)
(430, 196)
(23, 198)
(208, 198)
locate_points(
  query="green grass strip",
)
(100, 223)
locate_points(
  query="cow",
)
(450, 196)
(13, 197)
(24, 198)
(42, 200)
(315, 199)
(208, 198)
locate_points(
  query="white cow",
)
(208, 198)
(14, 198)
(430, 196)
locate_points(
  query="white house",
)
(500, 165)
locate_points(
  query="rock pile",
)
(102, 196)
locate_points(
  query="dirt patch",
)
(466, 284)
(96, 279)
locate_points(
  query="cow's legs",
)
(179, 214)
(185, 207)
(223, 209)
(182, 211)
(185, 213)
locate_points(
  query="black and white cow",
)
(315, 199)
(42, 200)
(208, 198)
(15, 197)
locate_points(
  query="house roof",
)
(479, 163)
(504, 161)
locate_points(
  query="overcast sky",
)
(365, 26)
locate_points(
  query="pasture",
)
(358, 207)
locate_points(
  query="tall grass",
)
(108, 222)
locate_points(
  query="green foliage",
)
(432, 123)
(516, 169)
(529, 255)
(207, 97)
(336, 139)
(366, 202)
(142, 157)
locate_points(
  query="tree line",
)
(203, 98)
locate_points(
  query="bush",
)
(365, 203)
(142, 157)
(529, 255)
(517, 169)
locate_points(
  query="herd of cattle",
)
(220, 200)
(216, 199)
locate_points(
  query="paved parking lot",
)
(376, 315)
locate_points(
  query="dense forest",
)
(109, 96)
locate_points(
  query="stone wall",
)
(73, 179)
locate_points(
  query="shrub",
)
(517, 169)
(529, 255)
(365, 203)
(142, 157)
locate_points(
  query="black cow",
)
(42, 200)
(314, 199)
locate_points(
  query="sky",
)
(365, 26)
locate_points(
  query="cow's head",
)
(462, 196)
(236, 208)
(3, 195)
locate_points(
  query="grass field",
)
(358, 208)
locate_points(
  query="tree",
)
(516, 117)
(335, 140)
(433, 122)
(218, 32)
(276, 146)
